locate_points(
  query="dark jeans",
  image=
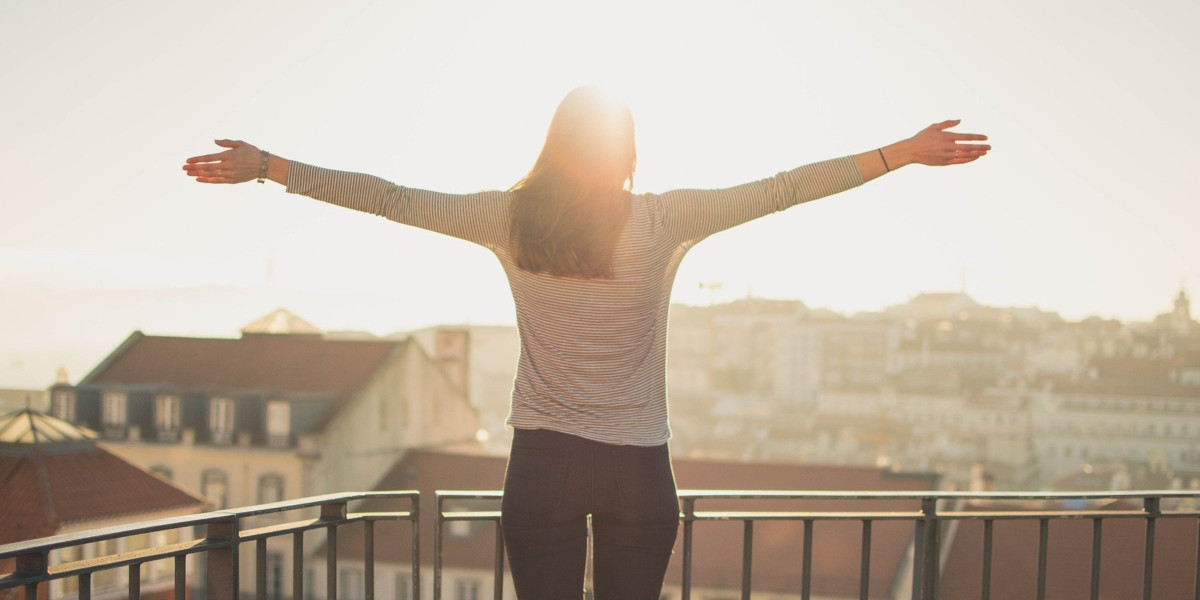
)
(554, 482)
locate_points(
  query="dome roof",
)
(29, 427)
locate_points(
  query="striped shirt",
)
(593, 351)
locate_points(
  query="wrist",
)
(897, 155)
(277, 169)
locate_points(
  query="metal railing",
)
(928, 514)
(221, 542)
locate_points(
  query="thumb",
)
(944, 125)
(230, 143)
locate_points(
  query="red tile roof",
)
(283, 363)
(717, 559)
(1068, 575)
(45, 489)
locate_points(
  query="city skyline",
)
(1085, 206)
(38, 368)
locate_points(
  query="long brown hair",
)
(570, 208)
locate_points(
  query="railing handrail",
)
(93, 535)
(873, 495)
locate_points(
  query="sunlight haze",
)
(1086, 205)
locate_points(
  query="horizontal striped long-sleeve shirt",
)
(593, 351)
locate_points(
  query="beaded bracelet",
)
(262, 168)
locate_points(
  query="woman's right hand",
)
(240, 163)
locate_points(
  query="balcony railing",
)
(224, 534)
(929, 512)
(930, 515)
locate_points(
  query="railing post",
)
(1153, 509)
(747, 556)
(864, 575)
(222, 576)
(416, 546)
(260, 569)
(926, 556)
(437, 549)
(85, 586)
(331, 512)
(1097, 537)
(1043, 556)
(806, 564)
(181, 591)
(135, 581)
(498, 576)
(987, 560)
(33, 564)
(689, 511)
(369, 559)
(298, 565)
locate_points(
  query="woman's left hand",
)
(935, 146)
(239, 164)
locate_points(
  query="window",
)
(214, 486)
(108, 577)
(114, 409)
(350, 584)
(274, 575)
(62, 405)
(69, 585)
(166, 414)
(404, 583)
(164, 569)
(310, 584)
(279, 421)
(466, 589)
(270, 488)
(220, 420)
(137, 542)
(459, 529)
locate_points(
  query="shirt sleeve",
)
(481, 217)
(689, 216)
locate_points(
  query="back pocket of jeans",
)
(646, 485)
(535, 480)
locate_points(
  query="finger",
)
(209, 157)
(965, 158)
(215, 180)
(967, 137)
(972, 147)
(209, 173)
(208, 167)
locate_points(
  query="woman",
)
(591, 268)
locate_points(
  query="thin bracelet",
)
(266, 157)
(885, 165)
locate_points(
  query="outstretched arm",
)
(934, 146)
(479, 217)
(691, 215)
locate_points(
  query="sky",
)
(1087, 204)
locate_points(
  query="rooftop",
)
(52, 475)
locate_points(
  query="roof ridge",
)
(43, 478)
